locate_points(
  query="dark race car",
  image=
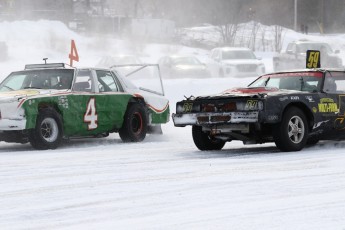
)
(292, 109)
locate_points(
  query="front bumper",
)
(215, 118)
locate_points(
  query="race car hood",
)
(25, 93)
(258, 92)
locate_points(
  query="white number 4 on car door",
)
(90, 115)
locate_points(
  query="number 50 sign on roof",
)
(73, 55)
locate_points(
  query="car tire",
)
(203, 141)
(134, 127)
(292, 132)
(48, 130)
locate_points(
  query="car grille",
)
(247, 68)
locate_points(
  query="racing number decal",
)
(73, 56)
(251, 105)
(313, 59)
(90, 115)
(187, 107)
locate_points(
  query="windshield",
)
(238, 54)
(291, 81)
(38, 79)
(302, 48)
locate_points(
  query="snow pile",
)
(28, 38)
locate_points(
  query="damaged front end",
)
(224, 118)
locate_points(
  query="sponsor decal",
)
(63, 101)
(327, 105)
(187, 107)
(339, 123)
(309, 98)
(283, 98)
(317, 125)
(314, 109)
(251, 105)
(31, 102)
(294, 97)
(272, 117)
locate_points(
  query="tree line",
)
(318, 15)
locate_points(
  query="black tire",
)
(292, 132)
(48, 131)
(134, 127)
(203, 141)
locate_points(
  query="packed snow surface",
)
(163, 182)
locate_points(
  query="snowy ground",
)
(165, 182)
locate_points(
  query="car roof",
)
(30, 67)
(323, 70)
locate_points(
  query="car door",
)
(331, 107)
(80, 114)
(96, 105)
(111, 101)
(339, 86)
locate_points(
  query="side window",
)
(329, 86)
(339, 78)
(83, 82)
(106, 81)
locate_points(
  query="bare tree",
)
(278, 38)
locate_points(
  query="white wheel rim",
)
(296, 129)
(49, 130)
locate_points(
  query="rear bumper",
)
(12, 124)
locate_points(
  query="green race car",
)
(46, 103)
